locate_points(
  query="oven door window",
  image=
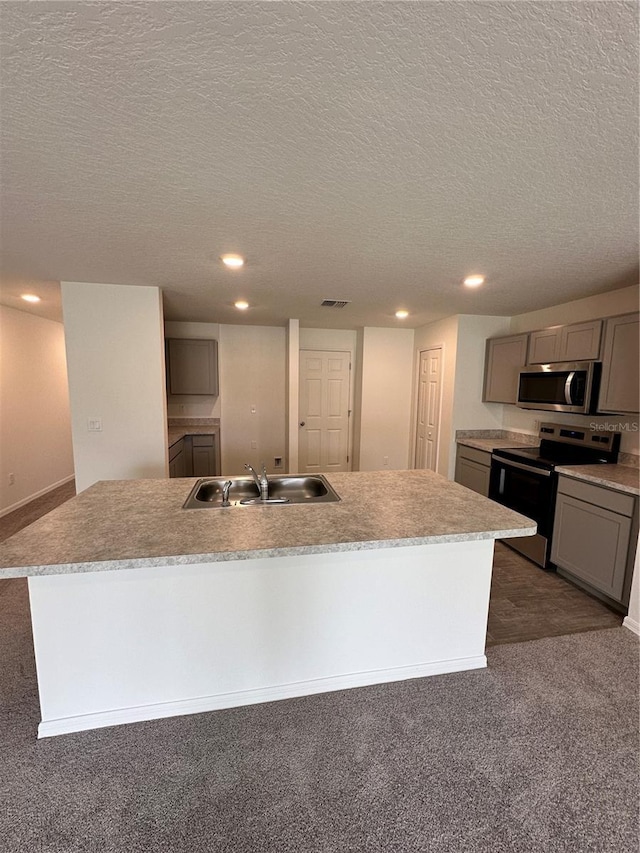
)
(526, 492)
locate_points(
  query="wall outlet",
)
(12, 479)
(277, 461)
(385, 461)
(254, 445)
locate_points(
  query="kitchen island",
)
(141, 609)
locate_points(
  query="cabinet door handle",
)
(567, 388)
(302, 423)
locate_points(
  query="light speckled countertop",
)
(126, 524)
(490, 444)
(176, 432)
(622, 478)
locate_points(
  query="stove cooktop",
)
(550, 457)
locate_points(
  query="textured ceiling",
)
(373, 152)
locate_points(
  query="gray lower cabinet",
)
(203, 455)
(593, 532)
(620, 384)
(177, 459)
(503, 360)
(473, 468)
(195, 456)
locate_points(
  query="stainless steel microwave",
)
(563, 387)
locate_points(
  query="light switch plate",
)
(94, 424)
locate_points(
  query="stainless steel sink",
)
(307, 488)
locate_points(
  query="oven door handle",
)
(567, 388)
(509, 463)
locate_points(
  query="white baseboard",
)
(39, 494)
(632, 625)
(141, 713)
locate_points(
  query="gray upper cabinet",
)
(576, 342)
(620, 357)
(503, 360)
(192, 366)
(581, 341)
(544, 345)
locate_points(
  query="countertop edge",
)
(176, 434)
(598, 480)
(235, 556)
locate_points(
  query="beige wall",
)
(292, 438)
(195, 406)
(35, 420)
(356, 375)
(604, 305)
(385, 408)
(622, 301)
(115, 356)
(252, 376)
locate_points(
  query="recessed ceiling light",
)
(30, 297)
(234, 262)
(474, 280)
(241, 304)
(402, 314)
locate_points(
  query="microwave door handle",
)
(567, 388)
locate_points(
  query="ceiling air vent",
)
(335, 303)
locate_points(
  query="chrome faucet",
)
(225, 493)
(261, 481)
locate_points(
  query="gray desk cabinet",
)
(192, 367)
(503, 360)
(620, 384)
(593, 535)
(473, 468)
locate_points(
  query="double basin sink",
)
(303, 489)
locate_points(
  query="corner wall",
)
(385, 407)
(253, 378)
(35, 419)
(115, 356)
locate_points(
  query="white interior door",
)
(428, 418)
(324, 411)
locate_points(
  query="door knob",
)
(302, 423)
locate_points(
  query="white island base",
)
(123, 646)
